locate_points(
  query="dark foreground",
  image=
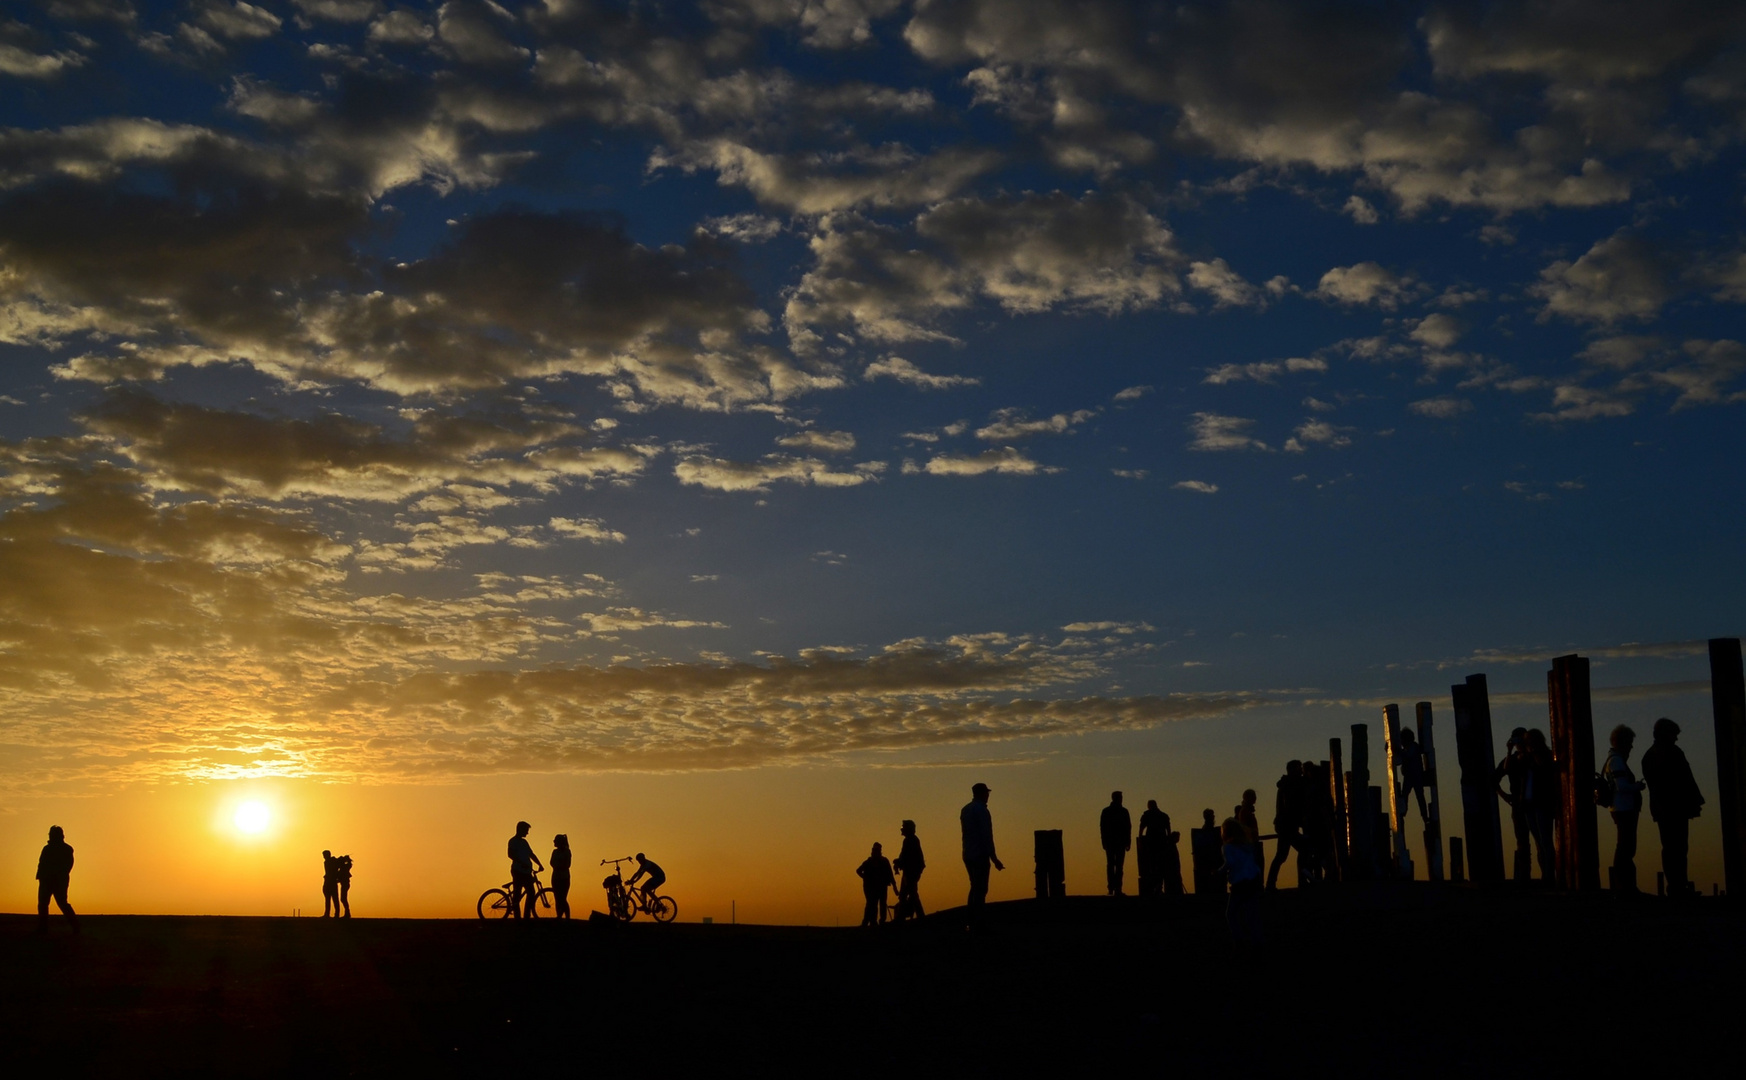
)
(1398, 980)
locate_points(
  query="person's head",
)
(1115, 798)
(1666, 730)
(1294, 768)
(1151, 804)
(907, 828)
(878, 849)
(561, 841)
(979, 792)
(1518, 739)
(1249, 797)
(1537, 741)
(521, 828)
(1407, 736)
(1207, 816)
(1231, 832)
(1622, 737)
(326, 854)
(55, 833)
(640, 858)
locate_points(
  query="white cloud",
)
(819, 442)
(1441, 408)
(1010, 424)
(1365, 283)
(1005, 460)
(723, 475)
(896, 367)
(1620, 278)
(590, 529)
(1360, 211)
(1314, 432)
(1212, 431)
(1264, 371)
(1132, 393)
(1200, 486)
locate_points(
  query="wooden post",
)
(1379, 829)
(1051, 865)
(1455, 874)
(1360, 825)
(1572, 721)
(1728, 699)
(1400, 860)
(1434, 819)
(1484, 840)
(1337, 790)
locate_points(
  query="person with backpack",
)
(1623, 794)
(876, 882)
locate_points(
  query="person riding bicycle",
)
(522, 861)
(657, 877)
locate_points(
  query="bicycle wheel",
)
(494, 904)
(663, 908)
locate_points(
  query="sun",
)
(252, 817)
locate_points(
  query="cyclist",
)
(522, 861)
(657, 878)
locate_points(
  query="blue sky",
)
(415, 392)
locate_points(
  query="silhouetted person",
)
(54, 871)
(910, 864)
(1627, 806)
(657, 877)
(1514, 769)
(876, 880)
(1165, 853)
(1251, 825)
(1243, 910)
(977, 826)
(1542, 800)
(1674, 799)
(1205, 849)
(523, 891)
(1287, 818)
(343, 875)
(1147, 843)
(1412, 775)
(561, 860)
(330, 905)
(1117, 830)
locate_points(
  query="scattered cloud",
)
(1201, 486)
(1212, 431)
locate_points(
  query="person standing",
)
(1627, 806)
(54, 872)
(1246, 817)
(1542, 801)
(1149, 845)
(329, 885)
(876, 883)
(1117, 830)
(1514, 769)
(1674, 799)
(523, 890)
(343, 877)
(977, 826)
(1204, 844)
(910, 864)
(561, 860)
(1287, 818)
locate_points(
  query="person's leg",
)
(1524, 861)
(978, 871)
(1543, 844)
(868, 909)
(346, 897)
(915, 904)
(1279, 858)
(43, 891)
(60, 895)
(1625, 855)
(1675, 843)
(1424, 813)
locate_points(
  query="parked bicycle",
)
(495, 904)
(623, 903)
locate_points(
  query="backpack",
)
(1605, 790)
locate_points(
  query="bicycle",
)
(494, 903)
(623, 903)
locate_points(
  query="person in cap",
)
(910, 864)
(1514, 769)
(978, 830)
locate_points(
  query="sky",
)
(723, 430)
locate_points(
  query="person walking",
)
(1627, 807)
(561, 860)
(911, 864)
(523, 890)
(977, 826)
(1117, 830)
(1287, 819)
(54, 873)
(876, 882)
(1542, 798)
(1514, 769)
(1243, 910)
(1674, 799)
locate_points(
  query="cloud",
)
(590, 529)
(1212, 431)
(1003, 460)
(24, 64)
(896, 367)
(1265, 371)
(1359, 210)
(1010, 424)
(719, 474)
(1441, 408)
(819, 442)
(1363, 284)
(1200, 486)
(1620, 278)
(1132, 393)
(1438, 331)
(1229, 289)
(1314, 432)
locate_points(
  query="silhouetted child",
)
(911, 864)
(1412, 774)
(1243, 871)
(560, 862)
(876, 878)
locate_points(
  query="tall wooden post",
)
(1434, 813)
(1728, 698)
(1400, 859)
(1337, 789)
(1360, 824)
(1572, 720)
(1479, 817)
(1455, 874)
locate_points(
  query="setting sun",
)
(252, 817)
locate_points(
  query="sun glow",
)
(252, 818)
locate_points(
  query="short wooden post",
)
(1360, 824)
(1484, 840)
(1400, 860)
(1051, 865)
(1207, 852)
(1434, 813)
(1337, 791)
(1572, 720)
(1455, 874)
(1728, 699)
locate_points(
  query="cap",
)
(974, 788)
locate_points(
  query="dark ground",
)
(1404, 980)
